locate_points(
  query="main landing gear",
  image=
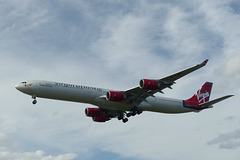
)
(34, 99)
(123, 117)
(134, 111)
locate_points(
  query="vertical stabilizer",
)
(202, 96)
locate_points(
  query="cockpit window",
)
(24, 82)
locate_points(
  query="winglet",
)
(204, 62)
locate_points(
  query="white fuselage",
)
(96, 96)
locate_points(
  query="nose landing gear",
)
(34, 99)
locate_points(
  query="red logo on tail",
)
(201, 96)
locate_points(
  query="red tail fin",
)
(201, 96)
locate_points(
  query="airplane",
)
(124, 104)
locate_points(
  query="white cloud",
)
(219, 17)
(8, 151)
(6, 143)
(181, 35)
(38, 155)
(134, 41)
(229, 140)
(232, 68)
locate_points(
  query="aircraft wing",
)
(182, 73)
(137, 95)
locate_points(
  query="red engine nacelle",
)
(93, 112)
(101, 118)
(149, 84)
(115, 96)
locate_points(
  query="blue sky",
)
(114, 44)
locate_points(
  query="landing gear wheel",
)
(34, 101)
(134, 113)
(129, 114)
(125, 120)
(120, 118)
(139, 111)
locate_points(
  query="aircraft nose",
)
(19, 87)
(24, 87)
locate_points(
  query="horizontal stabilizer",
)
(210, 103)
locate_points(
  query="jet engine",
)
(93, 112)
(115, 96)
(149, 84)
(96, 114)
(101, 118)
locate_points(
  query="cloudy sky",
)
(113, 44)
